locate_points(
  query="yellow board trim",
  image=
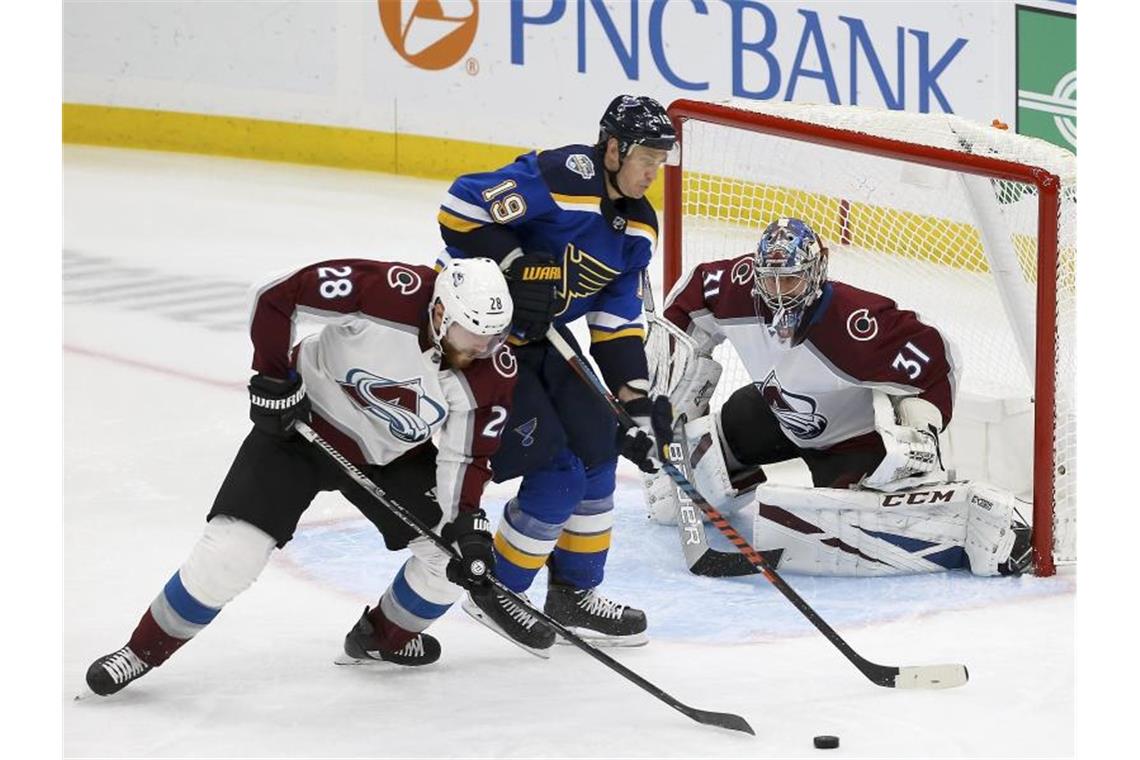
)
(241, 137)
(601, 336)
(516, 556)
(575, 542)
(453, 222)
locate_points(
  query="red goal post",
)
(918, 205)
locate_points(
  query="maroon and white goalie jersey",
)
(854, 342)
(373, 375)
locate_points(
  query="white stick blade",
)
(931, 677)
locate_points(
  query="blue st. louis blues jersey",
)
(555, 202)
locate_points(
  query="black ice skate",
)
(112, 672)
(592, 616)
(511, 620)
(361, 647)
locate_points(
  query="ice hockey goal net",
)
(969, 225)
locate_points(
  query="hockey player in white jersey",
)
(843, 379)
(409, 355)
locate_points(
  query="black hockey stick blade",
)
(720, 720)
(717, 564)
(708, 717)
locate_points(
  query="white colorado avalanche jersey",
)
(373, 377)
(853, 342)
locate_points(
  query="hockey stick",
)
(906, 677)
(700, 558)
(708, 717)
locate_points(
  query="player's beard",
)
(455, 358)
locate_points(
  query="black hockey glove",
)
(471, 534)
(276, 405)
(532, 279)
(642, 444)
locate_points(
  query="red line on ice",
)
(135, 363)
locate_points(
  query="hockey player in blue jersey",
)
(573, 232)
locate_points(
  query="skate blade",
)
(346, 660)
(84, 695)
(478, 615)
(602, 640)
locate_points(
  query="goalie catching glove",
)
(654, 429)
(471, 534)
(909, 428)
(533, 280)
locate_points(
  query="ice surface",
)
(143, 463)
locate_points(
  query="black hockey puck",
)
(826, 742)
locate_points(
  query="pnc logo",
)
(430, 34)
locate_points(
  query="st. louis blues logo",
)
(526, 430)
(582, 276)
(401, 403)
(796, 413)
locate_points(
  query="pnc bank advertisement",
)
(529, 72)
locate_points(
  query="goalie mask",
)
(789, 270)
(477, 310)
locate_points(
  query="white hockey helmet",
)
(477, 307)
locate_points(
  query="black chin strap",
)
(614, 181)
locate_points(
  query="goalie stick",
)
(906, 677)
(700, 558)
(707, 717)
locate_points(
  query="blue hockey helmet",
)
(789, 270)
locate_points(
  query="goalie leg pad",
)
(995, 523)
(708, 472)
(829, 531)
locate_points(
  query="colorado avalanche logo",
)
(505, 362)
(403, 279)
(796, 413)
(401, 403)
(742, 271)
(862, 326)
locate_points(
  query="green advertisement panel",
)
(1047, 75)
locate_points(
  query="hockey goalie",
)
(843, 379)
